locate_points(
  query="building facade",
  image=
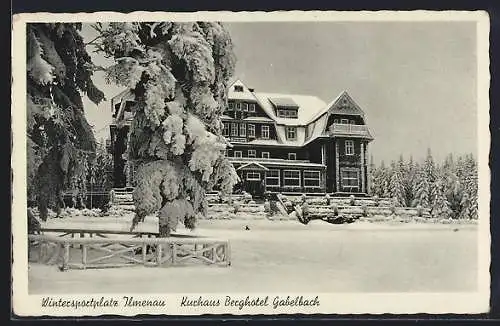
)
(280, 142)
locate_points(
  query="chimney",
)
(251, 90)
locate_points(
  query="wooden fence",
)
(103, 252)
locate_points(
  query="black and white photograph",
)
(250, 163)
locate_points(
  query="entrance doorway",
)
(254, 182)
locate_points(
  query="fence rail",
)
(98, 252)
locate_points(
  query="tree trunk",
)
(163, 229)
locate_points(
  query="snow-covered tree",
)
(60, 141)
(440, 206)
(409, 172)
(396, 186)
(469, 182)
(422, 189)
(178, 73)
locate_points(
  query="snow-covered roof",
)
(283, 102)
(272, 142)
(245, 94)
(280, 163)
(258, 119)
(226, 117)
(253, 164)
(308, 105)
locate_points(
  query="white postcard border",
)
(330, 303)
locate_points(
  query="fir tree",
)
(440, 205)
(60, 140)
(178, 73)
(422, 189)
(396, 188)
(409, 171)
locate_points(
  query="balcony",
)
(341, 129)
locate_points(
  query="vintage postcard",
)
(250, 163)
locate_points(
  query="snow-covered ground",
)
(287, 256)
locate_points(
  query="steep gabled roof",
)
(246, 94)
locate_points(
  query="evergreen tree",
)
(422, 189)
(178, 73)
(60, 141)
(409, 172)
(396, 187)
(440, 205)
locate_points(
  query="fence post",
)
(159, 253)
(65, 257)
(144, 250)
(174, 253)
(84, 256)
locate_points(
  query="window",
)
(238, 154)
(291, 133)
(286, 113)
(349, 147)
(265, 154)
(238, 106)
(251, 107)
(265, 132)
(238, 88)
(251, 130)
(252, 153)
(243, 130)
(312, 179)
(292, 156)
(349, 177)
(245, 106)
(234, 129)
(291, 178)
(344, 121)
(273, 178)
(226, 129)
(292, 114)
(253, 176)
(231, 106)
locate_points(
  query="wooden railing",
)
(106, 252)
(349, 129)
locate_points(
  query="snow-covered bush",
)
(352, 200)
(335, 210)
(327, 199)
(376, 200)
(267, 206)
(364, 209)
(392, 208)
(236, 206)
(420, 211)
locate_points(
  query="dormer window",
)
(251, 107)
(245, 107)
(287, 113)
(230, 106)
(238, 88)
(291, 133)
(344, 121)
(238, 106)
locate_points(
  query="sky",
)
(415, 81)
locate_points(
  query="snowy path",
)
(288, 256)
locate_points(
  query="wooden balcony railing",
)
(340, 129)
